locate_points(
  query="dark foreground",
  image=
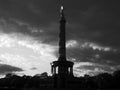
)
(54, 89)
(102, 81)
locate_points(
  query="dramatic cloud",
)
(29, 34)
(4, 69)
(26, 53)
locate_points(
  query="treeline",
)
(15, 81)
(101, 81)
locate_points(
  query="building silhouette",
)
(62, 69)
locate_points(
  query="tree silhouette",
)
(101, 81)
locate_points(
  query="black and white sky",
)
(29, 35)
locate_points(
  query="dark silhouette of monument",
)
(62, 69)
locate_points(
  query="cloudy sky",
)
(29, 35)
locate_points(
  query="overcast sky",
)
(29, 35)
